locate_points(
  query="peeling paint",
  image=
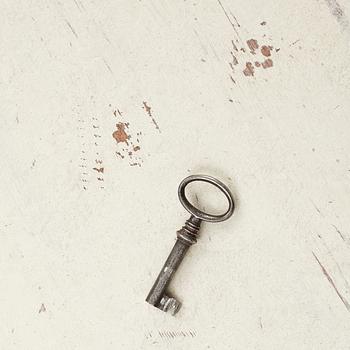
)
(120, 134)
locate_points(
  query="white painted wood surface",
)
(85, 226)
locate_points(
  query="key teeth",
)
(168, 304)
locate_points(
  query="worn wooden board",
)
(107, 105)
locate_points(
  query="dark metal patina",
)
(186, 236)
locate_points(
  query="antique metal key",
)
(186, 236)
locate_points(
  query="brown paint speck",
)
(136, 148)
(257, 64)
(267, 63)
(253, 45)
(263, 23)
(266, 50)
(249, 70)
(120, 135)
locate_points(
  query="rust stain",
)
(249, 70)
(267, 63)
(120, 134)
(330, 280)
(266, 50)
(253, 45)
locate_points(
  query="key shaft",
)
(185, 238)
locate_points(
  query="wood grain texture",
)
(107, 105)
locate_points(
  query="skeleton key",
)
(186, 236)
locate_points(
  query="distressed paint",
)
(86, 220)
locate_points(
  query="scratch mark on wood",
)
(42, 308)
(317, 209)
(294, 42)
(229, 19)
(77, 5)
(108, 66)
(147, 108)
(170, 334)
(338, 13)
(234, 46)
(72, 29)
(106, 38)
(99, 170)
(339, 232)
(330, 280)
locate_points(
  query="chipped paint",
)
(240, 58)
(267, 63)
(128, 146)
(249, 69)
(120, 135)
(266, 50)
(252, 45)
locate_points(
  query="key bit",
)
(186, 236)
